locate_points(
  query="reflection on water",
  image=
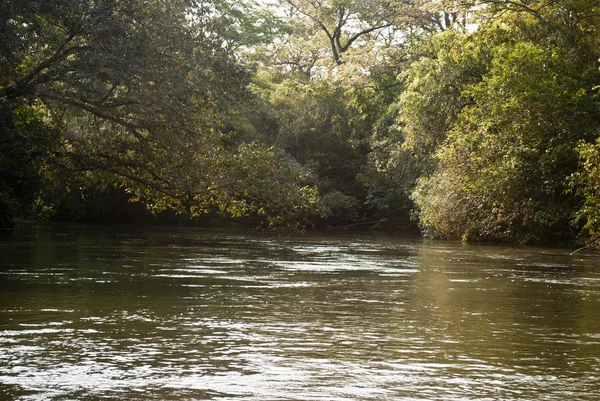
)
(149, 314)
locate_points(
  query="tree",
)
(500, 171)
(344, 22)
(320, 111)
(432, 16)
(586, 182)
(143, 92)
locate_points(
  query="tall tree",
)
(345, 22)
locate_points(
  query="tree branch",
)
(354, 37)
(23, 85)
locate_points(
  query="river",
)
(109, 313)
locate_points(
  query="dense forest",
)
(474, 119)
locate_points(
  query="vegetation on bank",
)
(479, 118)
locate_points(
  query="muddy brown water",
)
(110, 313)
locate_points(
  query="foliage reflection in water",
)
(112, 313)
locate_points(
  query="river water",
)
(107, 313)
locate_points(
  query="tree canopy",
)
(141, 94)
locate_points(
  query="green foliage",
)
(313, 124)
(435, 83)
(24, 140)
(343, 24)
(18, 184)
(324, 86)
(342, 206)
(500, 172)
(144, 95)
(253, 181)
(587, 184)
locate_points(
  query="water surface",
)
(95, 313)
